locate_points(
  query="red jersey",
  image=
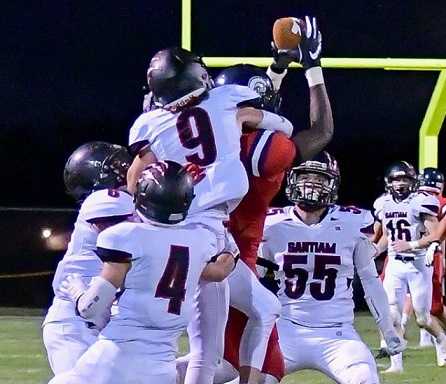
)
(442, 207)
(267, 156)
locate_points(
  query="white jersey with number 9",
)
(207, 134)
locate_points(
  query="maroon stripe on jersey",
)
(433, 208)
(264, 154)
(136, 148)
(109, 220)
(369, 230)
(113, 255)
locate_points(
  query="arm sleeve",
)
(114, 245)
(95, 303)
(375, 296)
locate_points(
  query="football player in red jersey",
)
(267, 156)
(431, 180)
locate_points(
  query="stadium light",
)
(46, 233)
(436, 110)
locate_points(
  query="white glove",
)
(395, 344)
(430, 253)
(73, 286)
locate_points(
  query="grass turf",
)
(23, 359)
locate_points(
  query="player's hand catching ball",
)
(307, 53)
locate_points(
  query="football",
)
(287, 32)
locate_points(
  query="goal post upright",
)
(436, 110)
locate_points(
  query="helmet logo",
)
(258, 84)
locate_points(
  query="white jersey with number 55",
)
(207, 134)
(316, 263)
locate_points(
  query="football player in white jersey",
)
(94, 175)
(406, 215)
(157, 263)
(315, 246)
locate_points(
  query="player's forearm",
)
(137, 167)
(311, 141)
(382, 244)
(220, 269)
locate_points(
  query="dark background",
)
(72, 72)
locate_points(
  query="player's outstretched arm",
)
(375, 295)
(311, 141)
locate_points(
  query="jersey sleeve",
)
(107, 203)
(427, 204)
(242, 95)
(267, 154)
(367, 222)
(115, 245)
(378, 208)
(139, 136)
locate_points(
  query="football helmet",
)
(176, 77)
(400, 180)
(314, 184)
(256, 79)
(164, 192)
(93, 166)
(431, 180)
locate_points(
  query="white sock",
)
(396, 361)
(382, 343)
(404, 320)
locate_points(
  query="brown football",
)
(287, 32)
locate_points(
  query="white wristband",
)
(273, 122)
(414, 244)
(314, 76)
(276, 78)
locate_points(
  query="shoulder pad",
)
(107, 203)
(360, 218)
(426, 203)
(277, 215)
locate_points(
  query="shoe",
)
(440, 349)
(382, 353)
(394, 370)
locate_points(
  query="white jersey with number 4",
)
(316, 263)
(166, 263)
(207, 134)
(402, 220)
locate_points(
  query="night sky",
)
(72, 71)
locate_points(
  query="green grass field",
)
(23, 359)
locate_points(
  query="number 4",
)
(172, 285)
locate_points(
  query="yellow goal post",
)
(436, 110)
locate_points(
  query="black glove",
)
(310, 46)
(308, 52)
(283, 58)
